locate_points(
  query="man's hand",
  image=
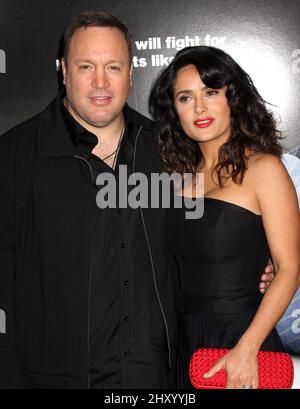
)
(266, 277)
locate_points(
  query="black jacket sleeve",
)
(10, 373)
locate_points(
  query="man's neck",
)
(108, 135)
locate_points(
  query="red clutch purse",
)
(275, 369)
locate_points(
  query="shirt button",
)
(126, 352)
(123, 245)
(126, 283)
(127, 319)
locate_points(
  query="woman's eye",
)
(184, 98)
(212, 92)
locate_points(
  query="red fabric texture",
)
(275, 369)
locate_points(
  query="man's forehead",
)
(95, 32)
(104, 40)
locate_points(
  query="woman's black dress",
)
(221, 257)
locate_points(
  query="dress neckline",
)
(220, 201)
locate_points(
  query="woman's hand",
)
(267, 278)
(241, 366)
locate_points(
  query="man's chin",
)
(99, 122)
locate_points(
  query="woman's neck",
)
(210, 156)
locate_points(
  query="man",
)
(88, 293)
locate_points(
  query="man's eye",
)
(114, 68)
(85, 67)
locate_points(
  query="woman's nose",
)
(200, 106)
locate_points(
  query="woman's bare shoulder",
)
(265, 169)
(264, 162)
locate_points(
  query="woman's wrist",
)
(248, 345)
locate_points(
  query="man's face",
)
(97, 76)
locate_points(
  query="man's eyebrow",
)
(90, 61)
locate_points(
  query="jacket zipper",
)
(89, 279)
(151, 260)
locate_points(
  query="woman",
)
(209, 118)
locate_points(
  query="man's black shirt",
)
(109, 266)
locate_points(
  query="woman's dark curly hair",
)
(252, 125)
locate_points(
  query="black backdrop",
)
(264, 36)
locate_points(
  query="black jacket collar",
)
(57, 131)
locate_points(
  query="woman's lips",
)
(203, 123)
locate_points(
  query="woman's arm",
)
(277, 200)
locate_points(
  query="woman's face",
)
(204, 112)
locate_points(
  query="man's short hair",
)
(94, 19)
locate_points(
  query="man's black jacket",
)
(46, 202)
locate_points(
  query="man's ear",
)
(130, 74)
(64, 69)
